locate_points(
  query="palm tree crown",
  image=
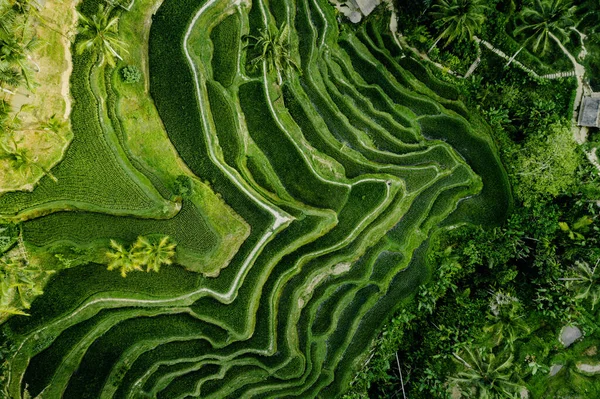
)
(13, 60)
(489, 375)
(459, 19)
(273, 48)
(100, 34)
(154, 255)
(547, 19)
(122, 259)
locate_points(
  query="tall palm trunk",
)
(435, 43)
(511, 59)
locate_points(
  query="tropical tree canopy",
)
(154, 255)
(14, 54)
(547, 19)
(144, 252)
(488, 374)
(272, 46)
(506, 320)
(122, 259)
(459, 19)
(100, 35)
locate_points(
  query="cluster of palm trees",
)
(537, 25)
(17, 285)
(20, 281)
(16, 44)
(98, 34)
(18, 156)
(145, 252)
(487, 370)
(272, 47)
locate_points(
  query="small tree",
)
(183, 186)
(547, 164)
(131, 74)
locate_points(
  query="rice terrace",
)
(299, 198)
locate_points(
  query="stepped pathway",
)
(342, 173)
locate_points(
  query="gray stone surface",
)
(354, 10)
(591, 369)
(367, 6)
(590, 112)
(569, 334)
(555, 369)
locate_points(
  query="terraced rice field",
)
(330, 185)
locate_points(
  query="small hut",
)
(589, 113)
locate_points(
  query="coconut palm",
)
(7, 21)
(506, 320)
(122, 259)
(15, 55)
(21, 159)
(590, 15)
(585, 283)
(10, 77)
(547, 19)
(488, 375)
(17, 278)
(458, 19)
(54, 124)
(273, 49)
(25, 7)
(100, 34)
(154, 254)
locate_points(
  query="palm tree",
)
(14, 55)
(547, 19)
(273, 49)
(488, 375)
(120, 258)
(54, 124)
(25, 7)
(154, 255)
(586, 283)
(20, 158)
(459, 19)
(506, 320)
(7, 20)
(10, 77)
(100, 35)
(18, 278)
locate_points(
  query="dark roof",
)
(590, 111)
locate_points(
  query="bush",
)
(131, 74)
(183, 186)
(547, 164)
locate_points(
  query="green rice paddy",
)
(341, 174)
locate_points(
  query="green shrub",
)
(131, 74)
